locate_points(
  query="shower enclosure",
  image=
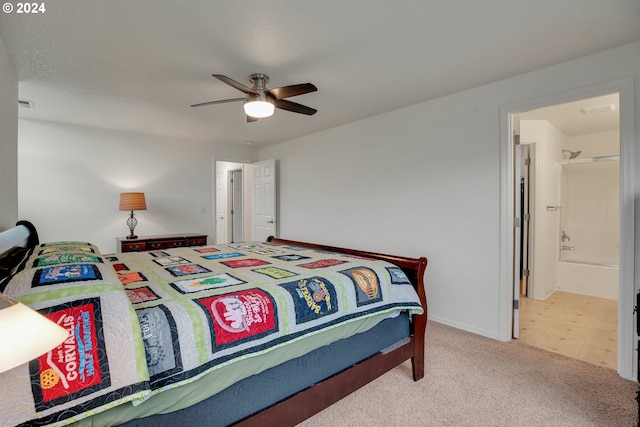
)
(589, 225)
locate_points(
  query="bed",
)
(248, 334)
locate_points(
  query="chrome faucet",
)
(565, 237)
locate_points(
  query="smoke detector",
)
(598, 109)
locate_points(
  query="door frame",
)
(627, 289)
(524, 168)
(231, 203)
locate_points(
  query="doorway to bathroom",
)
(568, 179)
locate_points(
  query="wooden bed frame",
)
(309, 402)
(306, 403)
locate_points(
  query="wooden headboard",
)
(15, 246)
(18, 236)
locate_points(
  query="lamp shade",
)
(132, 202)
(25, 334)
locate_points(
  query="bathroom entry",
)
(569, 250)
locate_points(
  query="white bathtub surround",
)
(588, 279)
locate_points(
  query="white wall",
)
(595, 144)
(425, 180)
(70, 178)
(8, 141)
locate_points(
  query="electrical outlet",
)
(203, 209)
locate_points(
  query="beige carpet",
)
(476, 381)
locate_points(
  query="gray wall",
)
(70, 179)
(8, 141)
(425, 180)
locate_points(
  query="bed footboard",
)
(309, 402)
(414, 268)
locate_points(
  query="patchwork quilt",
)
(149, 321)
(101, 364)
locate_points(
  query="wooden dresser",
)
(158, 242)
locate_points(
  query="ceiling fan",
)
(260, 102)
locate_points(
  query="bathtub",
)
(599, 280)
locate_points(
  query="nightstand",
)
(158, 242)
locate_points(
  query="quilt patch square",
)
(199, 284)
(67, 242)
(132, 277)
(397, 276)
(65, 259)
(65, 274)
(240, 316)
(366, 284)
(224, 255)
(294, 248)
(77, 248)
(174, 260)
(79, 365)
(243, 246)
(313, 298)
(323, 263)
(275, 272)
(290, 257)
(140, 295)
(160, 337)
(242, 263)
(364, 258)
(206, 250)
(158, 254)
(120, 266)
(266, 251)
(186, 270)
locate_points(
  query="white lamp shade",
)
(258, 109)
(25, 334)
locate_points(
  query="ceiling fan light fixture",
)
(258, 106)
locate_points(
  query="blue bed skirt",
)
(273, 385)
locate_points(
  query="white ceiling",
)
(591, 115)
(137, 65)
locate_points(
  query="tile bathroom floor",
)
(578, 326)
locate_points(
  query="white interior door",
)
(263, 200)
(221, 207)
(237, 211)
(517, 223)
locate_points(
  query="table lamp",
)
(132, 202)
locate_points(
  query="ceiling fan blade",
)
(231, 82)
(293, 90)
(222, 101)
(251, 119)
(283, 104)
